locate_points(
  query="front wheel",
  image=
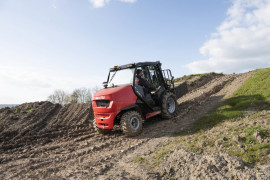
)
(169, 105)
(131, 123)
(100, 131)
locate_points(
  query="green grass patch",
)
(228, 83)
(139, 159)
(258, 84)
(255, 153)
(30, 110)
(251, 131)
(160, 156)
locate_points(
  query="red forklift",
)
(123, 101)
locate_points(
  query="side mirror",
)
(105, 84)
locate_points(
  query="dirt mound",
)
(197, 81)
(194, 82)
(33, 120)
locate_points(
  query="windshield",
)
(121, 77)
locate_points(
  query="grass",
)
(160, 156)
(228, 83)
(30, 110)
(253, 154)
(263, 132)
(139, 159)
(253, 95)
(258, 84)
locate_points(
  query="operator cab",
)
(126, 75)
(151, 74)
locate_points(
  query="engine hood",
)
(109, 93)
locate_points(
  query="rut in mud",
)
(46, 141)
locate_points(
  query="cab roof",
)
(133, 65)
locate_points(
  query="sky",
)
(62, 44)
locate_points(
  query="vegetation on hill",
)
(239, 127)
(188, 77)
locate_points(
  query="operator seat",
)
(142, 92)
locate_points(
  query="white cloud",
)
(28, 84)
(242, 41)
(99, 3)
(102, 3)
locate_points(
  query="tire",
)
(100, 131)
(169, 106)
(131, 123)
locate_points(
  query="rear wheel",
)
(169, 106)
(131, 123)
(100, 131)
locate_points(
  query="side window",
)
(145, 72)
(153, 76)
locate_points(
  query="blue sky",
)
(61, 44)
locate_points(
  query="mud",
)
(42, 140)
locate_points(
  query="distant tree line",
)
(81, 95)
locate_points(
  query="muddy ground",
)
(42, 140)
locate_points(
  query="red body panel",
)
(152, 114)
(119, 98)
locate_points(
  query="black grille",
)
(103, 103)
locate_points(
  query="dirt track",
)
(46, 141)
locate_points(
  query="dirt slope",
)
(40, 120)
(46, 141)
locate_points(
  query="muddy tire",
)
(100, 131)
(131, 123)
(169, 106)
